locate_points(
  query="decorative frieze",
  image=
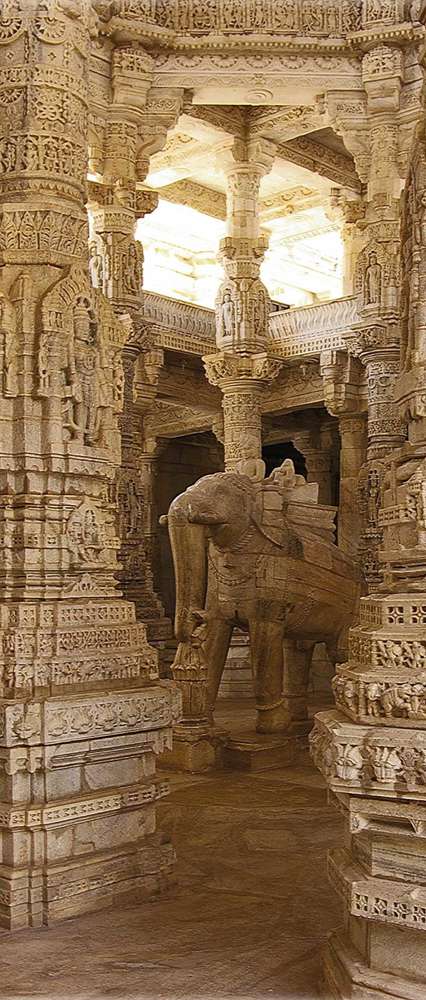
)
(297, 16)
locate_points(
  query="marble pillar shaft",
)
(82, 713)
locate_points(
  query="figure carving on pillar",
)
(132, 275)
(227, 316)
(85, 375)
(96, 265)
(248, 464)
(372, 280)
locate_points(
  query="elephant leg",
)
(216, 650)
(297, 665)
(266, 642)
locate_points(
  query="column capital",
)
(233, 372)
(241, 156)
(132, 72)
(373, 341)
(343, 383)
(160, 114)
(352, 424)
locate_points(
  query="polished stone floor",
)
(247, 918)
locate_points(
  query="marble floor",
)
(247, 918)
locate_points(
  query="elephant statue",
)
(259, 556)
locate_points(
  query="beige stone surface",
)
(247, 916)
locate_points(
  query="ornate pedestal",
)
(251, 751)
(373, 756)
(77, 760)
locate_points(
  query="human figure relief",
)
(96, 266)
(227, 315)
(250, 464)
(134, 510)
(372, 280)
(84, 535)
(84, 371)
(132, 276)
(9, 354)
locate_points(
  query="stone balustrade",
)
(308, 330)
(294, 333)
(179, 325)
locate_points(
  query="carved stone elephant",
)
(248, 554)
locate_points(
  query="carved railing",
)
(180, 325)
(308, 330)
(294, 333)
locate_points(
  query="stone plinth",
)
(79, 789)
(195, 748)
(252, 751)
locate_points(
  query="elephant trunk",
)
(189, 550)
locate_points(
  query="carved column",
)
(318, 458)
(353, 447)
(139, 117)
(372, 748)
(348, 209)
(114, 224)
(81, 712)
(345, 398)
(242, 381)
(377, 124)
(385, 431)
(135, 492)
(242, 305)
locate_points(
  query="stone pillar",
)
(348, 209)
(82, 712)
(135, 497)
(318, 462)
(372, 748)
(377, 124)
(345, 398)
(242, 381)
(353, 447)
(241, 368)
(137, 127)
(385, 431)
(242, 305)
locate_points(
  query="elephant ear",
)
(269, 514)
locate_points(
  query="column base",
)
(252, 751)
(195, 749)
(78, 793)
(346, 977)
(43, 896)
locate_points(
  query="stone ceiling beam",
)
(197, 196)
(317, 158)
